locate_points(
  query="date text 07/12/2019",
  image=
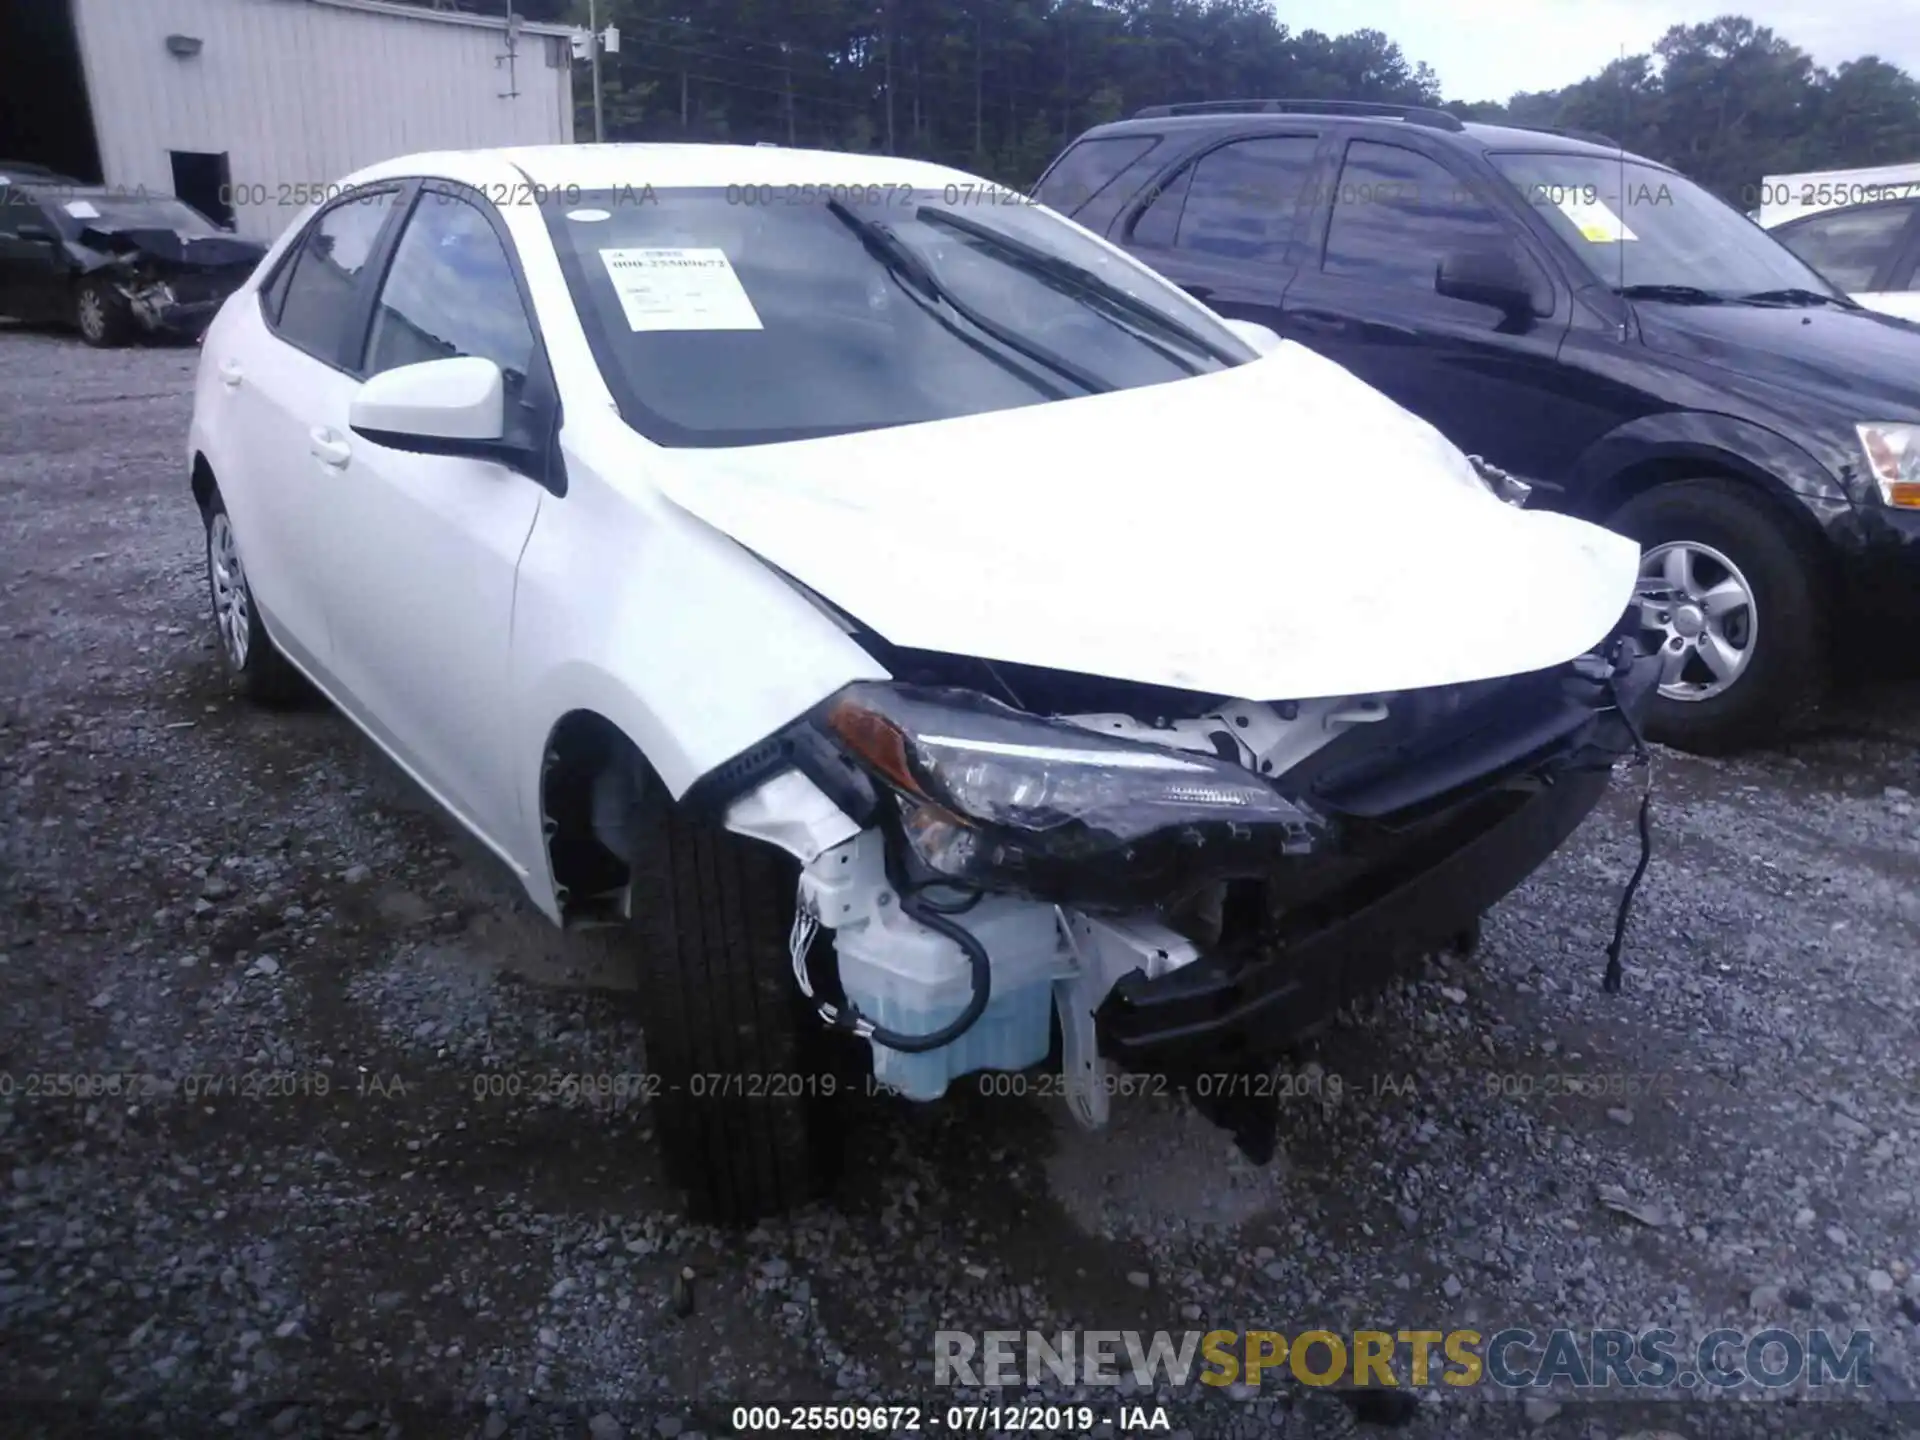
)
(955, 1419)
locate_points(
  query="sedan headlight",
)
(1893, 457)
(990, 794)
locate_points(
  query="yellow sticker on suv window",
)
(1594, 219)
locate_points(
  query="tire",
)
(101, 314)
(253, 661)
(1731, 534)
(732, 1042)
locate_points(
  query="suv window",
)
(1159, 220)
(450, 291)
(1396, 212)
(1240, 202)
(318, 301)
(1849, 246)
(1088, 168)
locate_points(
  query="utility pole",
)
(786, 83)
(886, 10)
(979, 68)
(1066, 88)
(593, 27)
(511, 57)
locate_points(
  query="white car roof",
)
(1789, 197)
(613, 167)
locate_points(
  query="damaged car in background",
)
(111, 263)
(922, 639)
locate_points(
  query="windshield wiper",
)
(1796, 295)
(904, 264)
(1672, 294)
(1036, 261)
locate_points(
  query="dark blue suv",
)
(1640, 353)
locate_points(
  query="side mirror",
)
(1494, 276)
(438, 407)
(1260, 337)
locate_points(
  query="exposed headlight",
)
(1893, 457)
(992, 793)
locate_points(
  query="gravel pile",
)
(274, 1193)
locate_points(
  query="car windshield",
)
(78, 209)
(1641, 228)
(754, 314)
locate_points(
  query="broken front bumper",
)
(1224, 1011)
(162, 311)
(1438, 836)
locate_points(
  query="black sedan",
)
(114, 264)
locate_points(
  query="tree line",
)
(999, 86)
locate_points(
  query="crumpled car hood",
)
(1279, 530)
(212, 252)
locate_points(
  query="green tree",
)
(999, 86)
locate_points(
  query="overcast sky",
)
(1487, 49)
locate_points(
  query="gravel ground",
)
(193, 892)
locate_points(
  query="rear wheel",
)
(263, 673)
(101, 314)
(749, 1097)
(1731, 599)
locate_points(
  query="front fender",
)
(629, 608)
(1603, 477)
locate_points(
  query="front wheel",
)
(100, 313)
(749, 1096)
(1730, 598)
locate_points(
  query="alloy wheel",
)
(232, 607)
(1699, 609)
(93, 314)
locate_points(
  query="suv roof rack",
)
(1413, 114)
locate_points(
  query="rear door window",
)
(1242, 200)
(1088, 168)
(1159, 222)
(1851, 247)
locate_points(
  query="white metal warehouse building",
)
(236, 105)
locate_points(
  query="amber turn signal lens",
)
(876, 740)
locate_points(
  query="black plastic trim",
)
(801, 745)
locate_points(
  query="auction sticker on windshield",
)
(679, 290)
(1592, 218)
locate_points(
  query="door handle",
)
(230, 374)
(329, 448)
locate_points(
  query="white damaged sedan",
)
(926, 636)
